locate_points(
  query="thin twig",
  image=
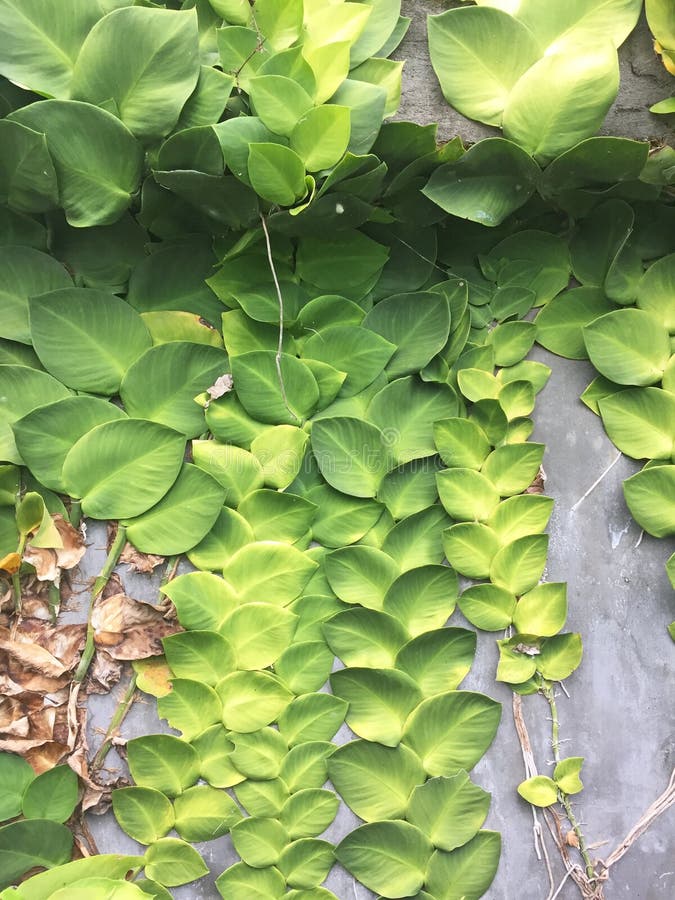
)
(280, 298)
(597, 481)
(123, 707)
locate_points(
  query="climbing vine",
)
(249, 321)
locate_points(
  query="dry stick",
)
(280, 298)
(111, 561)
(123, 707)
(597, 482)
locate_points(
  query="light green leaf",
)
(650, 496)
(276, 516)
(452, 731)
(438, 660)
(214, 749)
(259, 387)
(237, 470)
(513, 467)
(470, 548)
(143, 64)
(201, 655)
(352, 455)
(640, 422)
(263, 798)
(389, 858)
(277, 173)
(173, 325)
(543, 610)
(280, 451)
(360, 353)
(461, 443)
(628, 346)
(365, 637)
(422, 598)
(485, 185)
(259, 633)
(340, 519)
(467, 872)
(162, 384)
(259, 842)
(560, 323)
(281, 24)
(190, 707)
(279, 102)
(657, 289)
(44, 884)
(566, 774)
(202, 600)
(521, 515)
(560, 656)
(518, 566)
(258, 754)
(207, 102)
(27, 272)
(163, 762)
(360, 575)
(51, 795)
(120, 469)
(144, 813)
(97, 160)
(448, 810)
(15, 776)
(312, 717)
(278, 572)
(305, 666)
(367, 104)
(320, 136)
(417, 323)
(379, 701)
(467, 494)
(512, 341)
(478, 55)
(173, 862)
(251, 700)
(203, 813)
(417, 540)
(373, 780)
(409, 489)
(309, 812)
(305, 863)
(539, 791)
(306, 765)
(241, 882)
(108, 887)
(22, 390)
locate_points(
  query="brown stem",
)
(123, 707)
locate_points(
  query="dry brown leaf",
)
(221, 386)
(43, 561)
(571, 839)
(130, 629)
(144, 563)
(538, 485)
(10, 563)
(104, 673)
(74, 546)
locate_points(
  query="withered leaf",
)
(143, 563)
(130, 629)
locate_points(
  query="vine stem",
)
(16, 578)
(549, 694)
(75, 513)
(123, 707)
(280, 344)
(102, 579)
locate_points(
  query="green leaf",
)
(560, 656)
(258, 754)
(438, 660)
(306, 765)
(309, 812)
(561, 322)
(281, 25)
(409, 489)
(241, 882)
(163, 762)
(259, 842)
(203, 813)
(465, 873)
(277, 173)
(181, 518)
(120, 469)
(44, 884)
(320, 136)
(97, 160)
(418, 324)
(379, 701)
(417, 540)
(141, 63)
(280, 451)
(339, 263)
(628, 346)
(214, 749)
(467, 494)
(513, 467)
(341, 520)
(277, 516)
(493, 179)
(543, 610)
(278, 572)
(360, 575)
(312, 717)
(237, 470)
(15, 776)
(162, 384)
(452, 731)
(656, 290)
(29, 843)
(566, 774)
(263, 798)
(539, 791)
(189, 706)
(27, 176)
(389, 858)
(521, 515)
(207, 102)
(356, 351)
(305, 666)
(352, 455)
(461, 443)
(45, 436)
(51, 795)
(305, 863)
(650, 497)
(173, 325)
(259, 387)
(373, 780)
(562, 99)
(422, 598)
(108, 887)
(202, 600)
(512, 341)
(478, 55)
(251, 700)
(639, 422)
(450, 811)
(259, 633)
(144, 813)
(518, 566)
(27, 272)
(173, 862)
(279, 102)
(470, 548)
(365, 637)
(367, 104)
